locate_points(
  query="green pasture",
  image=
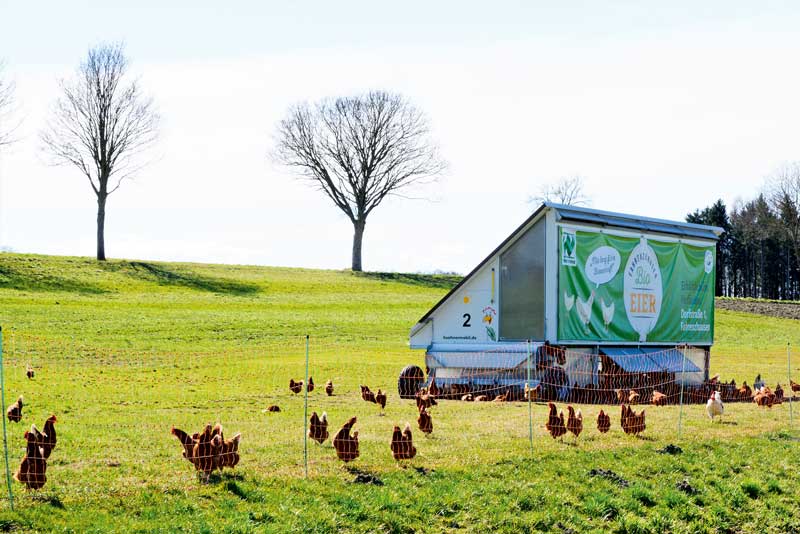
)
(124, 350)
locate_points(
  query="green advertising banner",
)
(614, 288)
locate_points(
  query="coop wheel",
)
(411, 379)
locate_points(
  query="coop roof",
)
(598, 218)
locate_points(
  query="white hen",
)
(714, 406)
(585, 309)
(569, 301)
(608, 312)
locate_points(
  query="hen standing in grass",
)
(310, 386)
(346, 445)
(380, 400)
(555, 423)
(229, 450)
(329, 388)
(33, 467)
(603, 422)
(295, 387)
(744, 392)
(631, 422)
(764, 397)
(402, 444)
(425, 399)
(48, 442)
(531, 394)
(367, 394)
(425, 421)
(714, 406)
(187, 441)
(205, 452)
(574, 421)
(318, 427)
(14, 411)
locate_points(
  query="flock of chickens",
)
(208, 450)
(39, 444)
(345, 442)
(630, 421)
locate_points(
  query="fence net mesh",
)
(115, 408)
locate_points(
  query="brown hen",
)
(346, 445)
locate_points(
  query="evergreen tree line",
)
(759, 249)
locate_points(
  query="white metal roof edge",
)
(634, 220)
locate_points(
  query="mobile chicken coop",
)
(573, 298)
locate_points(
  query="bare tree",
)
(568, 191)
(783, 193)
(101, 124)
(6, 104)
(358, 150)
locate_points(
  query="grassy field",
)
(124, 350)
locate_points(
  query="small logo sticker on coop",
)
(569, 246)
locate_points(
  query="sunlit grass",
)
(124, 352)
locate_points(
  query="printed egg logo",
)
(642, 289)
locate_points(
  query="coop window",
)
(522, 286)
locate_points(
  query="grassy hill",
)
(182, 307)
(126, 349)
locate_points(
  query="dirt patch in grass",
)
(610, 475)
(786, 310)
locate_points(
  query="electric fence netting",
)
(127, 419)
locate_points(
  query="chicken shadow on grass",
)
(216, 478)
(52, 500)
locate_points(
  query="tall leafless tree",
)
(358, 151)
(783, 192)
(101, 124)
(6, 104)
(568, 191)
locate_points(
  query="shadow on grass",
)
(166, 276)
(235, 489)
(52, 500)
(439, 281)
(24, 280)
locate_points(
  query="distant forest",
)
(757, 255)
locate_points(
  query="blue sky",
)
(663, 108)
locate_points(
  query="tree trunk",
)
(101, 226)
(358, 235)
